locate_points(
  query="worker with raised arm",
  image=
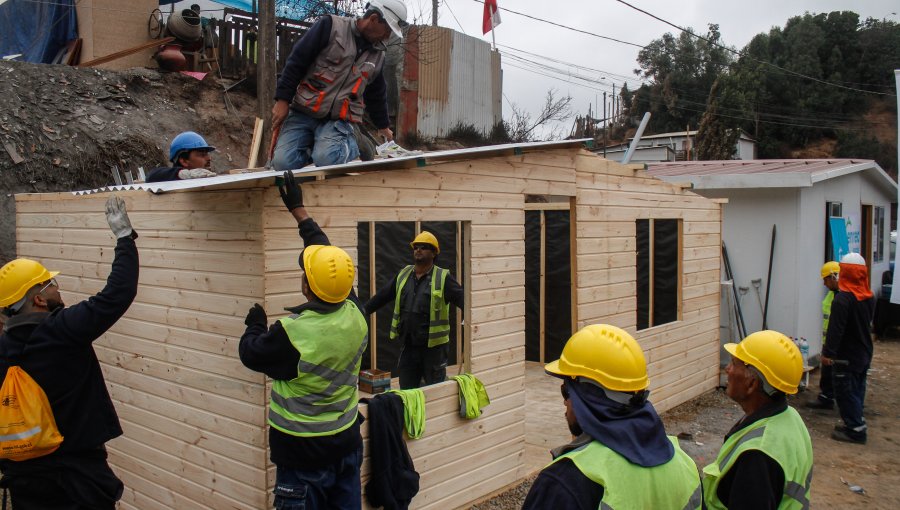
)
(313, 357)
(189, 154)
(620, 457)
(766, 460)
(53, 344)
(422, 294)
(332, 76)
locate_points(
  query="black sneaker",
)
(820, 404)
(845, 436)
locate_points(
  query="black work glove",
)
(256, 315)
(290, 192)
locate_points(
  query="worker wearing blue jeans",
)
(306, 140)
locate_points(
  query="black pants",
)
(418, 363)
(826, 386)
(70, 481)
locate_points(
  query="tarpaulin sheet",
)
(37, 30)
(393, 253)
(557, 286)
(665, 272)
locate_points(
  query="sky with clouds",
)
(538, 56)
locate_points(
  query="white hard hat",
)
(853, 258)
(393, 12)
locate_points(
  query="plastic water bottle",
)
(804, 350)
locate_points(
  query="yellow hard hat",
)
(605, 354)
(774, 355)
(329, 271)
(830, 268)
(18, 276)
(427, 238)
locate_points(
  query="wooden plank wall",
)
(193, 416)
(683, 356)
(458, 460)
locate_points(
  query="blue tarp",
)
(37, 30)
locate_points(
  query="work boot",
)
(820, 403)
(849, 436)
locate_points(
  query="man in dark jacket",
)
(332, 76)
(848, 347)
(189, 154)
(53, 344)
(422, 294)
(313, 358)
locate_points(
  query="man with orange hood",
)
(848, 346)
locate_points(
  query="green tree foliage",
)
(843, 61)
(681, 71)
(717, 136)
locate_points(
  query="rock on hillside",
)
(63, 128)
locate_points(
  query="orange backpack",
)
(27, 426)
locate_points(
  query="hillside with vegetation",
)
(821, 86)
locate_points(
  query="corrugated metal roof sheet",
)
(754, 166)
(762, 173)
(266, 177)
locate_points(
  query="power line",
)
(738, 53)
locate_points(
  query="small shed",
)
(538, 227)
(801, 198)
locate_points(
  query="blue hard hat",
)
(187, 141)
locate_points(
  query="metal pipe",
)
(637, 138)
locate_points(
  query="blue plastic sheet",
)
(37, 30)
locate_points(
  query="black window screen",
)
(658, 271)
(393, 253)
(557, 279)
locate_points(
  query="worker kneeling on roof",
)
(332, 76)
(766, 461)
(621, 457)
(313, 358)
(189, 154)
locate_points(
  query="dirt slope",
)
(67, 126)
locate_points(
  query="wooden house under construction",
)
(544, 237)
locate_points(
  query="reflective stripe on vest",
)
(322, 399)
(826, 314)
(783, 438)
(334, 85)
(438, 309)
(674, 485)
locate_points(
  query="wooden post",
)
(265, 72)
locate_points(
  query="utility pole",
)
(605, 124)
(434, 14)
(265, 73)
(614, 103)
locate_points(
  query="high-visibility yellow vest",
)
(674, 485)
(782, 437)
(826, 314)
(322, 400)
(438, 310)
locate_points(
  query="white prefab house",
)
(798, 197)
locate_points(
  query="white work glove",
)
(195, 173)
(117, 217)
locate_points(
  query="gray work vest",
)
(334, 84)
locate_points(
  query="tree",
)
(716, 136)
(681, 71)
(522, 126)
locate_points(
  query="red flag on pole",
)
(491, 16)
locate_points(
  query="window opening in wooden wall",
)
(384, 246)
(548, 282)
(659, 243)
